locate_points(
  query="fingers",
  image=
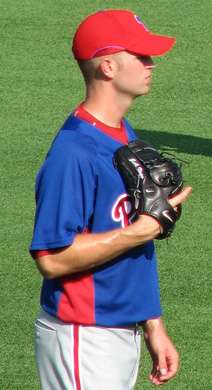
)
(166, 368)
(166, 374)
(157, 374)
(162, 365)
(181, 197)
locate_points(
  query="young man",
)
(100, 272)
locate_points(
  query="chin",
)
(142, 93)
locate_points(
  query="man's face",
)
(133, 75)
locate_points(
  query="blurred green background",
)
(39, 85)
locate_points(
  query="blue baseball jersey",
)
(78, 191)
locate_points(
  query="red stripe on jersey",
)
(35, 254)
(76, 357)
(77, 301)
(117, 133)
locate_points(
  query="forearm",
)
(93, 250)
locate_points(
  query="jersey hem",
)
(107, 324)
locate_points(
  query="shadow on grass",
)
(177, 142)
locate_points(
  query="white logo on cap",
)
(138, 20)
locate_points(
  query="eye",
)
(146, 60)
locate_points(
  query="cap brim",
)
(152, 45)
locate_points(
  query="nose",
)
(151, 66)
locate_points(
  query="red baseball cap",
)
(117, 30)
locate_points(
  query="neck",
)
(106, 104)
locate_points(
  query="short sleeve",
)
(65, 188)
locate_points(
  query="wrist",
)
(144, 229)
(152, 324)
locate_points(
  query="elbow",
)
(48, 274)
(46, 267)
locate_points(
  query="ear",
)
(108, 68)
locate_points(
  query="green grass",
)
(40, 85)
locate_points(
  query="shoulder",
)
(70, 154)
(72, 143)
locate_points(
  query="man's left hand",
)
(165, 357)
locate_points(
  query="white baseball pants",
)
(76, 357)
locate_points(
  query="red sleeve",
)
(41, 253)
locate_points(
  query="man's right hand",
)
(181, 196)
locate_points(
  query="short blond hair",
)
(89, 69)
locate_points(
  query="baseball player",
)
(99, 266)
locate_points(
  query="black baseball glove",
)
(150, 179)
